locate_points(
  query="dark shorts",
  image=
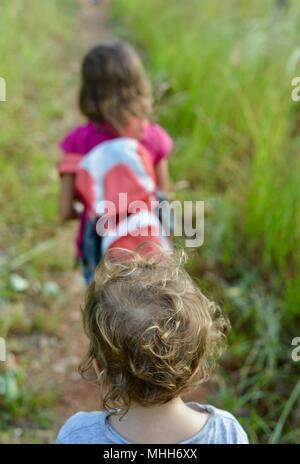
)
(91, 250)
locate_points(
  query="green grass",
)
(222, 78)
(33, 64)
(221, 73)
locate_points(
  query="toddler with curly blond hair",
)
(153, 336)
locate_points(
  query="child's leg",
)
(91, 250)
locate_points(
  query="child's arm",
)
(162, 175)
(67, 189)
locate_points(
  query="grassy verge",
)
(32, 63)
(222, 76)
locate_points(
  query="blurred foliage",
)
(222, 76)
(32, 64)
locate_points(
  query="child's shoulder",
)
(83, 138)
(83, 428)
(157, 141)
(74, 135)
(221, 427)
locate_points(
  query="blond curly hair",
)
(152, 332)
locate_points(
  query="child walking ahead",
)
(153, 336)
(116, 99)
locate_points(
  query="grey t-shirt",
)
(94, 428)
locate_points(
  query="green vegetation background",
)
(222, 78)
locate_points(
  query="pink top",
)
(82, 139)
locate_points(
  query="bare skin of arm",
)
(162, 176)
(66, 208)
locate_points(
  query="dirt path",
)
(53, 359)
(75, 394)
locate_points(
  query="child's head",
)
(153, 334)
(114, 87)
